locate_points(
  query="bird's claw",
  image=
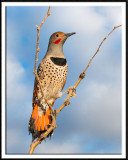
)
(73, 91)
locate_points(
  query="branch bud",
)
(38, 50)
(67, 103)
(82, 75)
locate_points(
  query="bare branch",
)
(37, 49)
(37, 46)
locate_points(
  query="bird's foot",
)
(68, 90)
(59, 94)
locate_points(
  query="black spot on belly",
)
(59, 61)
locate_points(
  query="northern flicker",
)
(52, 71)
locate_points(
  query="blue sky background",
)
(92, 122)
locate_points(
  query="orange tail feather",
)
(39, 121)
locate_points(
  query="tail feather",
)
(39, 122)
(42, 126)
(35, 111)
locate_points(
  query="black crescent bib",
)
(59, 61)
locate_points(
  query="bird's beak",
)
(69, 34)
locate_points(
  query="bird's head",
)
(56, 41)
(58, 38)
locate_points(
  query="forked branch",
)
(37, 46)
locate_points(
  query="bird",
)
(52, 71)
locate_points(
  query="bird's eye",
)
(57, 35)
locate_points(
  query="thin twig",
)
(37, 50)
(37, 46)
